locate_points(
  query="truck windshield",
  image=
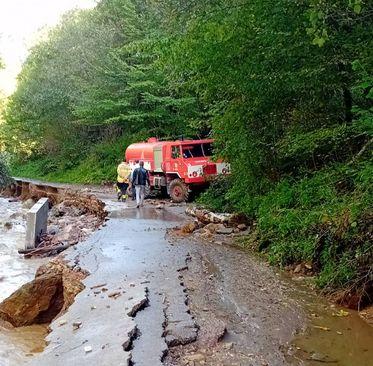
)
(207, 149)
(197, 150)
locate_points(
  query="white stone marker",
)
(37, 218)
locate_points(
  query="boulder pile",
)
(207, 224)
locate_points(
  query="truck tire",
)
(178, 191)
(148, 191)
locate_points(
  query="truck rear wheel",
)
(178, 191)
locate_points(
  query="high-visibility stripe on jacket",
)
(124, 172)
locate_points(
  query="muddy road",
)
(155, 298)
(270, 318)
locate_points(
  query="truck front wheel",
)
(178, 191)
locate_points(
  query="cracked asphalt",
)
(132, 267)
(155, 299)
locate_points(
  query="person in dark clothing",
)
(140, 178)
(133, 190)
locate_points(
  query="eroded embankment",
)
(73, 217)
(29, 190)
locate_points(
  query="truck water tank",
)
(142, 151)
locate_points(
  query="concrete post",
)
(37, 218)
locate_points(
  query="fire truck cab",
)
(177, 167)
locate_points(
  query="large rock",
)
(221, 229)
(51, 292)
(38, 301)
(71, 279)
(189, 227)
(57, 210)
(211, 228)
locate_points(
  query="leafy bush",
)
(322, 220)
(216, 197)
(315, 149)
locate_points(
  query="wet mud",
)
(334, 334)
(243, 309)
(270, 318)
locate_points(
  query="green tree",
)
(257, 71)
(94, 78)
(284, 87)
(4, 173)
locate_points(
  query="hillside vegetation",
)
(284, 87)
(4, 173)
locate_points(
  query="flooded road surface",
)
(15, 271)
(334, 334)
(149, 293)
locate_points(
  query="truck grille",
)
(209, 169)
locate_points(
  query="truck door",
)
(175, 158)
(158, 159)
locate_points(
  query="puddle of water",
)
(334, 335)
(330, 337)
(15, 271)
(18, 345)
(120, 210)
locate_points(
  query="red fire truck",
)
(176, 167)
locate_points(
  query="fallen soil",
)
(250, 314)
(74, 214)
(244, 319)
(215, 227)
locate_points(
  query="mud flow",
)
(270, 319)
(334, 335)
(16, 344)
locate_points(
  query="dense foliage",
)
(284, 87)
(4, 173)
